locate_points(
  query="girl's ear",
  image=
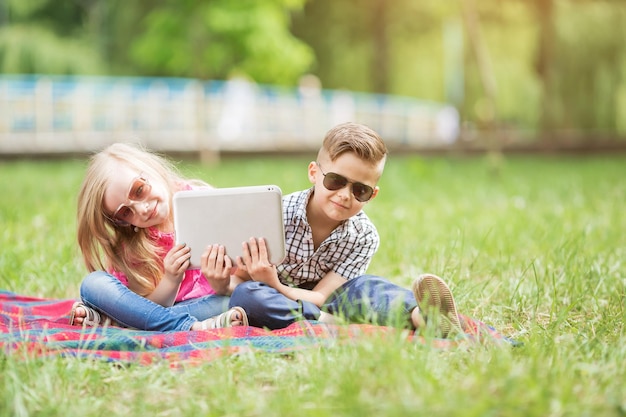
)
(312, 171)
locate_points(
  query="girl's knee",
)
(96, 282)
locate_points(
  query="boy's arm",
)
(317, 295)
(256, 265)
(324, 288)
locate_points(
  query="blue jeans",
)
(105, 293)
(365, 299)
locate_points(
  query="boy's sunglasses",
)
(333, 182)
(139, 190)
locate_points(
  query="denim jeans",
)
(365, 299)
(105, 293)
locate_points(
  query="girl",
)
(138, 276)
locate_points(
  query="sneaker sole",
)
(431, 292)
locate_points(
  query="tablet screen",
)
(229, 217)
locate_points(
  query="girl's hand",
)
(255, 261)
(176, 262)
(217, 267)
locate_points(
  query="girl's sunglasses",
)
(139, 190)
(335, 182)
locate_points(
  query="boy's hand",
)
(217, 267)
(176, 262)
(255, 261)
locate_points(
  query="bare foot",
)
(81, 315)
(77, 317)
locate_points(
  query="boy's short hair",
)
(356, 138)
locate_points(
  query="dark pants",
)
(365, 299)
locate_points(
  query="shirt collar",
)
(301, 203)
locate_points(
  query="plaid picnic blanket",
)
(38, 326)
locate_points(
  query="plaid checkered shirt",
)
(347, 251)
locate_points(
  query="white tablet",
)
(229, 217)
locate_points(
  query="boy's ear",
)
(312, 171)
(375, 193)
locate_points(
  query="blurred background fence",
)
(61, 114)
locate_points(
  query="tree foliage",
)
(187, 38)
(213, 39)
(35, 49)
(44, 36)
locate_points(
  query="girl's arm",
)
(175, 264)
(165, 292)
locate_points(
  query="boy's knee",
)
(248, 294)
(365, 284)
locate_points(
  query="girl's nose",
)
(145, 206)
(140, 207)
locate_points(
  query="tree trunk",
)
(487, 78)
(545, 61)
(380, 56)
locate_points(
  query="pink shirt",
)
(194, 284)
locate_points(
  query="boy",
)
(330, 242)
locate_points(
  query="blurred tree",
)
(45, 36)
(380, 55)
(340, 34)
(545, 60)
(590, 65)
(212, 39)
(487, 114)
(557, 64)
(382, 46)
(206, 40)
(580, 61)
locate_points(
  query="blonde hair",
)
(356, 138)
(107, 247)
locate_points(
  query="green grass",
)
(534, 246)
